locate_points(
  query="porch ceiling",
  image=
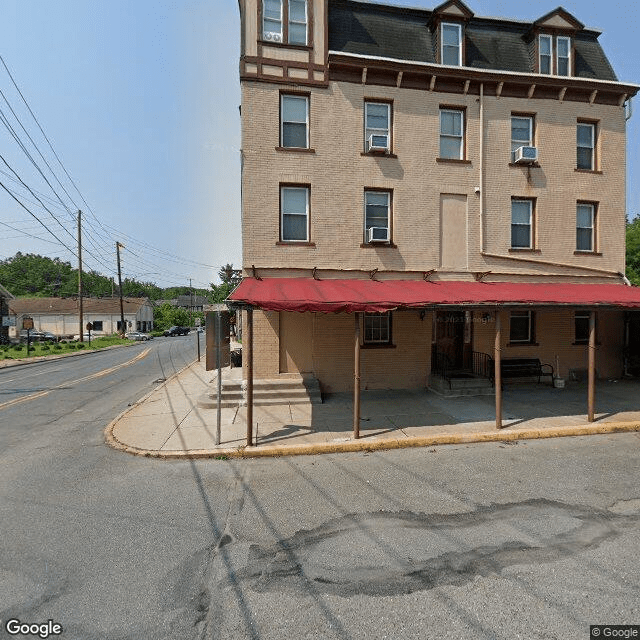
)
(350, 295)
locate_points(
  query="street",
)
(534, 539)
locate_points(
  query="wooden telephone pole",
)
(80, 315)
(122, 326)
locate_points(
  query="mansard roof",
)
(402, 33)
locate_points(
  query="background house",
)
(477, 162)
(5, 318)
(60, 315)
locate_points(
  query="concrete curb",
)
(377, 444)
(110, 439)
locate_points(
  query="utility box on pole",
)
(212, 340)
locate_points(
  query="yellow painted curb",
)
(379, 444)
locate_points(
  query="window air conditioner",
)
(524, 155)
(273, 36)
(378, 143)
(377, 234)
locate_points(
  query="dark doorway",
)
(452, 341)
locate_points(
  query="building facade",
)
(60, 316)
(396, 145)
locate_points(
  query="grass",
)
(18, 352)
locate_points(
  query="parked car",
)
(138, 335)
(37, 336)
(176, 331)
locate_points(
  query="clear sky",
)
(139, 99)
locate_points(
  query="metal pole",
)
(122, 326)
(219, 365)
(80, 314)
(356, 379)
(592, 367)
(248, 343)
(498, 372)
(198, 343)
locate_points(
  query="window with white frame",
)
(521, 133)
(563, 56)
(451, 44)
(294, 213)
(586, 145)
(545, 57)
(452, 134)
(521, 327)
(585, 226)
(377, 125)
(294, 121)
(285, 21)
(554, 55)
(377, 216)
(377, 328)
(272, 20)
(521, 224)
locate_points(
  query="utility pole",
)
(122, 327)
(80, 315)
(190, 304)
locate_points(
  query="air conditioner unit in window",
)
(524, 155)
(377, 234)
(274, 36)
(378, 142)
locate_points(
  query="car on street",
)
(138, 335)
(176, 331)
(37, 336)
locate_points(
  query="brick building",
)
(443, 178)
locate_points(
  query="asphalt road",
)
(534, 540)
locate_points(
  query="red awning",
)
(307, 294)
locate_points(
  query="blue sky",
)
(140, 101)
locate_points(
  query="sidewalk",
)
(168, 423)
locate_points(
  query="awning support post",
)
(248, 353)
(497, 376)
(356, 379)
(592, 367)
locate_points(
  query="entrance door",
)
(452, 338)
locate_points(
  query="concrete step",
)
(288, 389)
(467, 386)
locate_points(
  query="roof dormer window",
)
(451, 44)
(554, 55)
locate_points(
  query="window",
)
(377, 206)
(585, 227)
(97, 325)
(562, 65)
(377, 119)
(451, 49)
(297, 22)
(521, 327)
(563, 56)
(294, 121)
(585, 142)
(544, 45)
(285, 21)
(452, 134)
(521, 133)
(581, 326)
(521, 224)
(377, 328)
(294, 214)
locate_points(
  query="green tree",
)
(633, 251)
(166, 315)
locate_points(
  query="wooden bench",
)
(525, 368)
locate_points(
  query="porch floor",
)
(171, 420)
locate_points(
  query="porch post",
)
(592, 367)
(497, 377)
(248, 345)
(356, 379)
